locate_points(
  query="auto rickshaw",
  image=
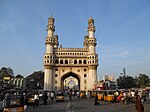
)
(14, 103)
(93, 94)
(60, 96)
(100, 96)
(109, 96)
(30, 99)
(82, 94)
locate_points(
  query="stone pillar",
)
(48, 79)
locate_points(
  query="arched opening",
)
(56, 61)
(66, 61)
(75, 61)
(84, 62)
(70, 81)
(61, 61)
(80, 61)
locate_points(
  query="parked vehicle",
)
(31, 99)
(14, 103)
(60, 96)
(106, 95)
(109, 96)
(1, 104)
(82, 94)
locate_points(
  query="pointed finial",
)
(60, 45)
(56, 36)
(51, 18)
(91, 20)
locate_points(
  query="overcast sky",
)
(122, 32)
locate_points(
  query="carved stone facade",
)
(61, 63)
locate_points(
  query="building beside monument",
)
(61, 63)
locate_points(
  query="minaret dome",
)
(91, 20)
(51, 19)
(91, 26)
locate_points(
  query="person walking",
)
(96, 100)
(49, 96)
(147, 96)
(26, 96)
(88, 94)
(70, 96)
(138, 104)
(36, 100)
(78, 94)
(52, 96)
(45, 97)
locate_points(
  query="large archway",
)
(67, 75)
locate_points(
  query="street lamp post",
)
(124, 82)
(124, 76)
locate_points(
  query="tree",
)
(10, 71)
(36, 78)
(3, 70)
(143, 80)
(6, 72)
(19, 76)
(120, 82)
(130, 82)
(126, 82)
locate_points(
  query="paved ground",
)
(86, 105)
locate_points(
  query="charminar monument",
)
(78, 63)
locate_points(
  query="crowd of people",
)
(129, 96)
(39, 96)
(138, 97)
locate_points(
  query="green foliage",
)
(37, 77)
(126, 82)
(19, 76)
(143, 80)
(129, 82)
(6, 72)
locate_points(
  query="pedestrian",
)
(70, 96)
(36, 100)
(96, 100)
(147, 96)
(73, 93)
(124, 97)
(52, 96)
(49, 96)
(45, 97)
(78, 94)
(116, 94)
(138, 104)
(88, 94)
(26, 97)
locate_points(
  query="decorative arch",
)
(63, 77)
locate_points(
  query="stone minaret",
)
(92, 56)
(56, 43)
(49, 57)
(85, 43)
